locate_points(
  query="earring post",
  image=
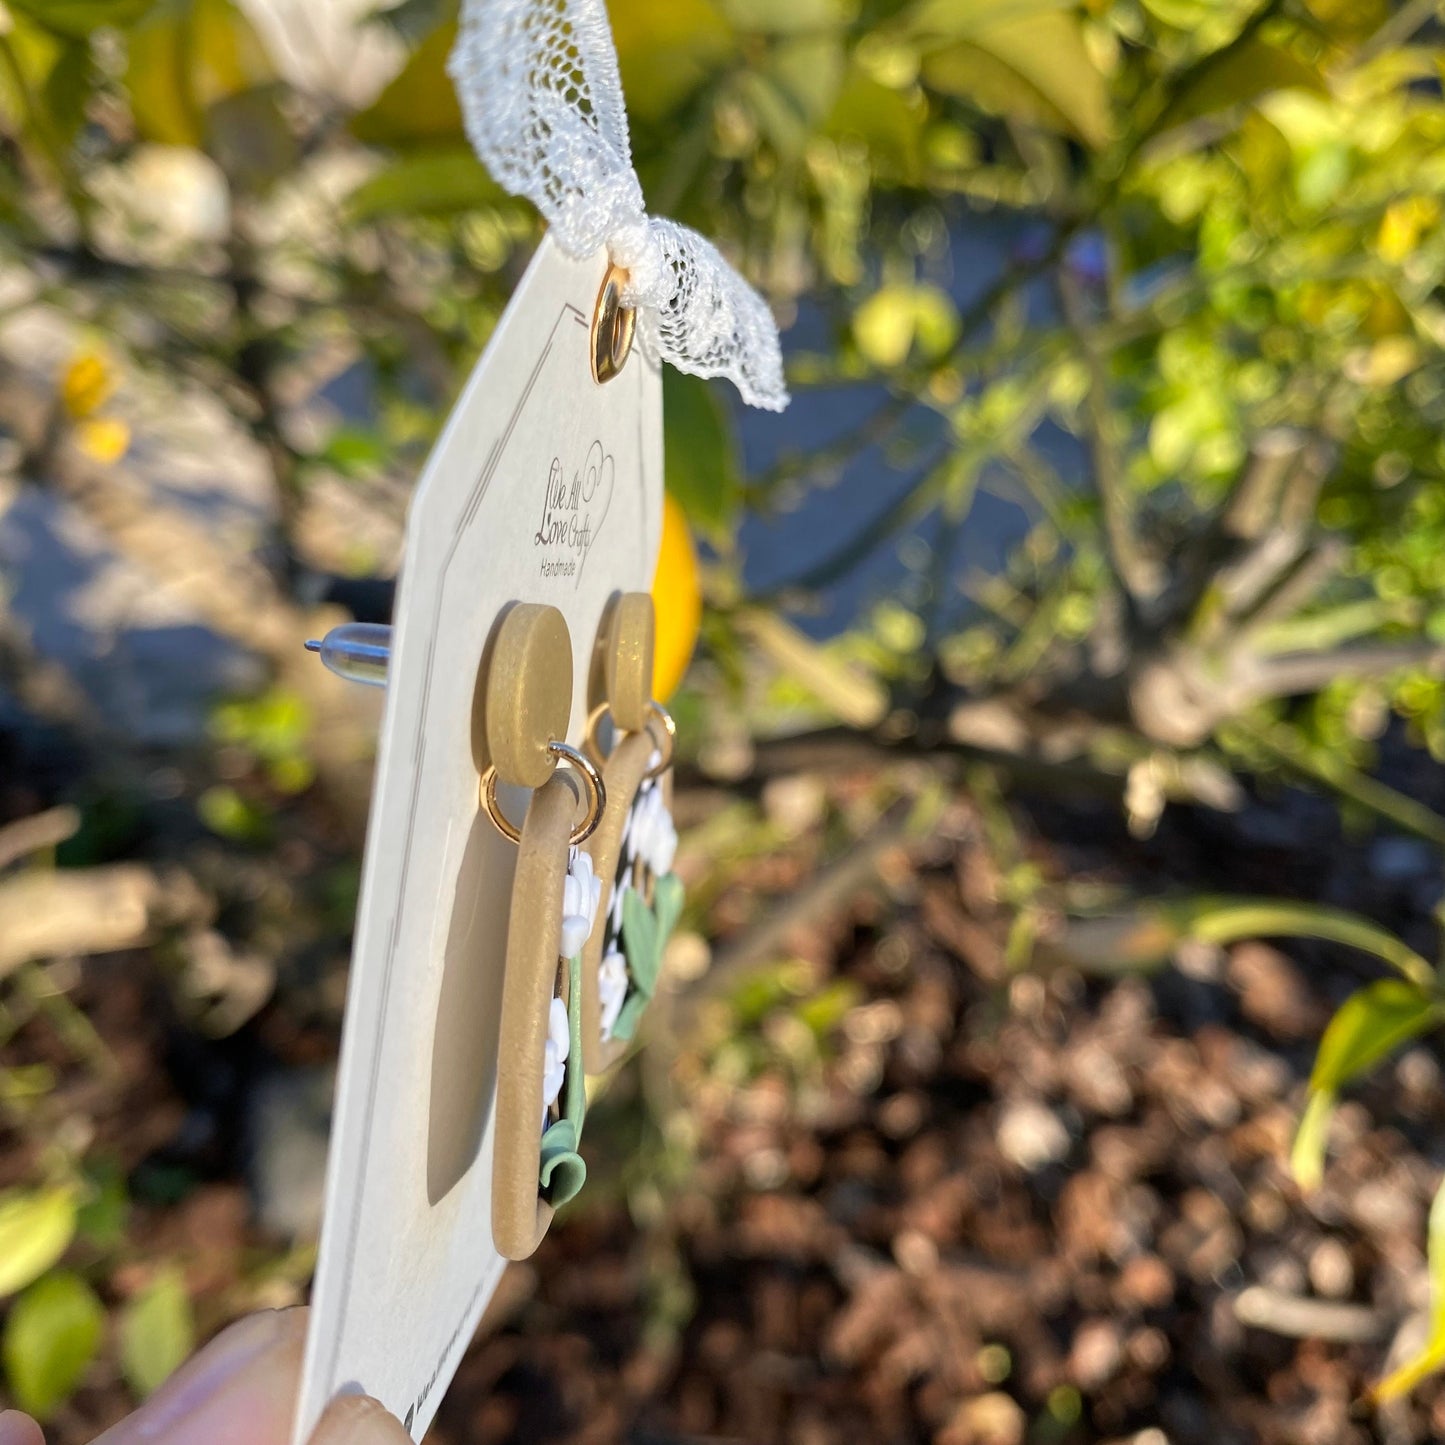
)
(357, 651)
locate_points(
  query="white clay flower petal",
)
(611, 991)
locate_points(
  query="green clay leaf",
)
(563, 1171)
(574, 1095)
(667, 906)
(630, 1015)
(643, 943)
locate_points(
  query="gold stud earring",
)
(541, 1094)
(633, 848)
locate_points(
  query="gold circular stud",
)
(527, 693)
(613, 327)
(627, 659)
(657, 713)
(591, 778)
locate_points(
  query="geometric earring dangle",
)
(634, 845)
(541, 1089)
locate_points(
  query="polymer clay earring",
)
(633, 848)
(541, 1091)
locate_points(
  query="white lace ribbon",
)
(542, 97)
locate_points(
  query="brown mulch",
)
(998, 1209)
(970, 1208)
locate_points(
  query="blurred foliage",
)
(1207, 366)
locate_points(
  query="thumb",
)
(240, 1390)
(18, 1429)
(359, 1420)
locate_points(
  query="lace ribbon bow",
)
(542, 97)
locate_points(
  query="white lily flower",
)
(581, 894)
(654, 836)
(611, 990)
(554, 1055)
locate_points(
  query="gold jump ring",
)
(668, 745)
(592, 779)
(669, 728)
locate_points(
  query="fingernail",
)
(359, 1420)
(240, 1388)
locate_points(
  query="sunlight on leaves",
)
(157, 1332)
(36, 1227)
(51, 1336)
(1371, 1024)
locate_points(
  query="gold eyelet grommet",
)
(613, 327)
(668, 745)
(592, 779)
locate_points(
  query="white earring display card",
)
(546, 486)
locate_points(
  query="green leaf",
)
(1307, 1155)
(185, 59)
(45, 86)
(1226, 920)
(429, 182)
(67, 90)
(667, 899)
(1431, 1356)
(702, 467)
(826, 1009)
(1371, 1024)
(36, 1227)
(643, 942)
(574, 1097)
(420, 105)
(806, 74)
(1023, 58)
(959, 18)
(101, 1220)
(767, 17)
(1368, 1026)
(889, 122)
(645, 931)
(630, 1015)
(157, 1332)
(1146, 938)
(1238, 77)
(563, 1171)
(78, 19)
(51, 1336)
(223, 810)
(355, 451)
(666, 53)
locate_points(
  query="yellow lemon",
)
(677, 596)
(103, 438)
(86, 385)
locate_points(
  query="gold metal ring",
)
(590, 745)
(613, 327)
(668, 745)
(592, 779)
(669, 751)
